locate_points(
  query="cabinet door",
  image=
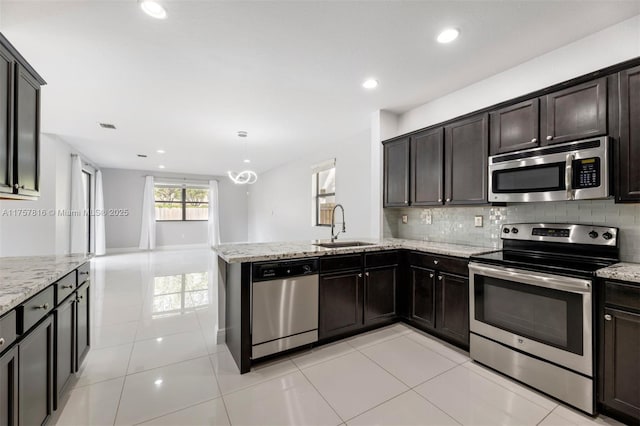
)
(452, 316)
(65, 356)
(396, 173)
(341, 298)
(423, 296)
(6, 117)
(427, 168)
(621, 355)
(629, 155)
(466, 158)
(577, 112)
(36, 374)
(27, 132)
(9, 388)
(380, 294)
(515, 127)
(83, 326)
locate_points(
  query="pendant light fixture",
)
(245, 177)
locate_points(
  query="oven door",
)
(548, 316)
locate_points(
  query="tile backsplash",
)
(456, 224)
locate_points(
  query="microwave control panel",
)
(586, 173)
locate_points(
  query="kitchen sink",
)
(343, 244)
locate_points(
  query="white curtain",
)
(148, 226)
(101, 245)
(78, 237)
(214, 217)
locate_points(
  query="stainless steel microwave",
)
(570, 171)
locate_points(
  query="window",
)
(324, 192)
(181, 203)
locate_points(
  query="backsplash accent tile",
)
(456, 224)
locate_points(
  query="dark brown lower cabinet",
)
(621, 360)
(9, 388)
(340, 303)
(35, 374)
(65, 320)
(380, 294)
(423, 301)
(82, 329)
(452, 307)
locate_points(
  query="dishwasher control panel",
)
(282, 269)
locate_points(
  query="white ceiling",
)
(288, 72)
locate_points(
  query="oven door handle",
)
(557, 282)
(568, 176)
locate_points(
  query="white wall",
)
(123, 190)
(280, 203)
(47, 232)
(610, 46)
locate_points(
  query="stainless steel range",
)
(531, 306)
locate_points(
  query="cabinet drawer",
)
(387, 258)
(340, 263)
(454, 265)
(7, 330)
(622, 294)
(83, 273)
(33, 310)
(65, 286)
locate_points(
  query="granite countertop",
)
(623, 271)
(23, 277)
(256, 252)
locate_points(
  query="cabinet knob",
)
(435, 262)
(45, 306)
(549, 138)
(607, 317)
(16, 186)
(534, 140)
(359, 275)
(439, 200)
(366, 273)
(81, 297)
(430, 275)
(448, 200)
(439, 277)
(21, 186)
(1, 341)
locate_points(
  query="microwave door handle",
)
(568, 176)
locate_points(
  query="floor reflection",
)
(176, 294)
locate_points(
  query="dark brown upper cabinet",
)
(396, 173)
(629, 152)
(466, 160)
(515, 127)
(19, 125)
(576, 112)
(427, 168)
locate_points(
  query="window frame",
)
(183, 204)
(317, 195)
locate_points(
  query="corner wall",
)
(280, 202)
(123, 190)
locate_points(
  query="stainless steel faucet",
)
(333, 222)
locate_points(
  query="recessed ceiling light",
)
(158, 382)
(161, 166)
(371, 83)
(142, 155)
(107, 126)
(448, 35)
(161, 151)
(153, 9)
(247, 160)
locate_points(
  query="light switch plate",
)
(426, 217)
(478, 222)
(405, 218)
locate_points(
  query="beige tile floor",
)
(155, 361)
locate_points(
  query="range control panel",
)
(586, 173)
(561, 233)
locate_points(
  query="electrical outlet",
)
(405, 219)
(478, 222)
(426, 217)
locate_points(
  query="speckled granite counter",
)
(621, 271)
(256, 252)
(23, 277)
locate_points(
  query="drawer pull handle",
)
(45, 306)
(607, 317)
(435, 262)
(1, 341)
(84, 273)
(67, 286)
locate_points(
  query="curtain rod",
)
(184, 180)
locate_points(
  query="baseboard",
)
(123, 250)
(221, 336)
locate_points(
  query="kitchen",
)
(450, 257)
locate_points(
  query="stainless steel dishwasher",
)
(284, 305)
